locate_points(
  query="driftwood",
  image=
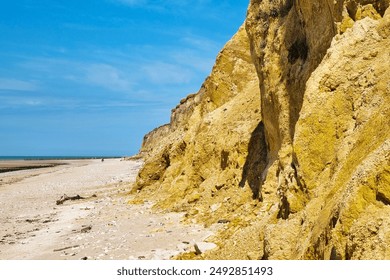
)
(65, 198)
(86, 229)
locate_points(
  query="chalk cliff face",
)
(287, 142)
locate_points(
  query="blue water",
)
(53, 157)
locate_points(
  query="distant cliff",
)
(287, 141)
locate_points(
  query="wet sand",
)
(16, 165)
(101, 225)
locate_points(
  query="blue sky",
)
(91, 77)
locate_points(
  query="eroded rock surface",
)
(287, 141)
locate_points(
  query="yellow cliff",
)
(287, 143)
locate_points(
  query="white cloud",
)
(50, 67)
(195, 61)
(17, 85)
(200, 43)
(20, 101)
(166, 73)
(110, 76)
(31, 102)
(107, 76)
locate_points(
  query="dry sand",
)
(101, 226)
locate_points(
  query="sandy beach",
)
(99, 225)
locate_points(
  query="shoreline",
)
(17, 165)
(11, 164)
(39, 158)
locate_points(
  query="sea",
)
(3, 158)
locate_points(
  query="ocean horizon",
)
(3, 158)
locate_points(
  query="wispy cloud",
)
(193, 60)
(20, 101)
(166, 73)
(108, 77)
(124, 74)
(201, 43)
(31, 102)
(48, 66)
(17, 85)
(197, 53)
(54, 103)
